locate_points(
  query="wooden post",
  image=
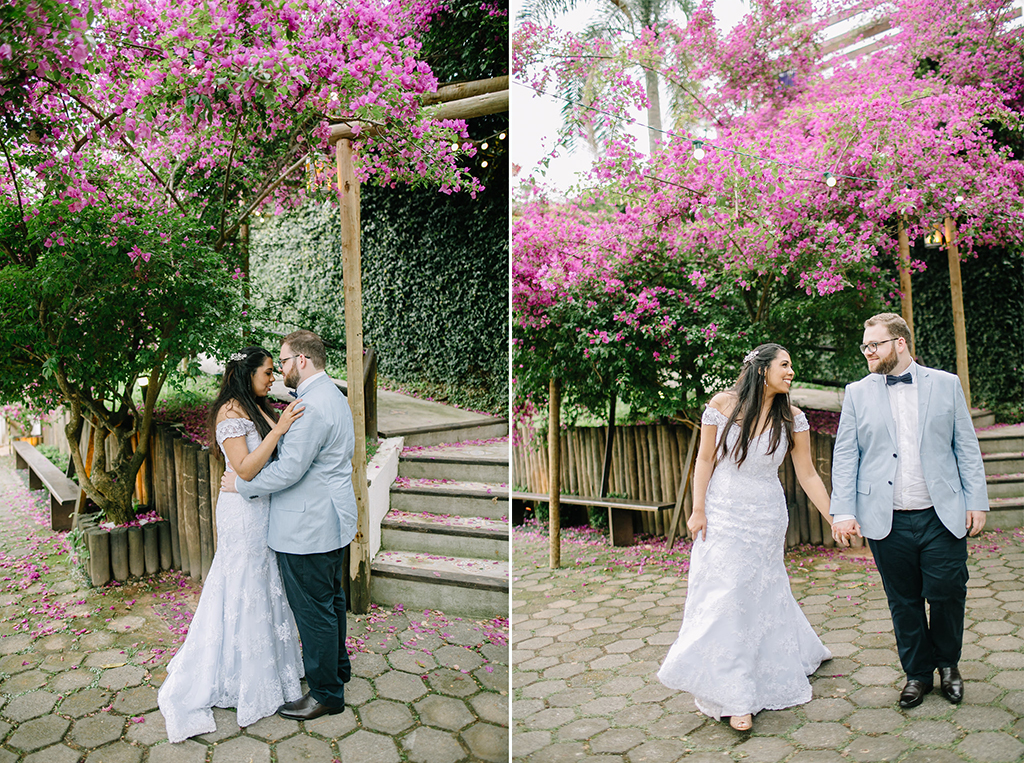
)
(905, 287)
(348, 201)
(205, 510)
(98, 542)
(136, 552)
(157, 454)
(554, 472)
(179, 512)
(189, 505)
(171, 482)
(956, 289)
(216, 472)
(151, 547)
(681, 493)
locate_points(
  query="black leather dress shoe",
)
(305, 708)
(913, 694)
(952, 684)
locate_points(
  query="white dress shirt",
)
(909, 491)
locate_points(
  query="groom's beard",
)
(291, 379)
(889, 362)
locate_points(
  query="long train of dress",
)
(744, 645)
(242, 648)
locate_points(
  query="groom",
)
(907, 475)
(312, 521)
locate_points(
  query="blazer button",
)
(890, 482)
(894, 455)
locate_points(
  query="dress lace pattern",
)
(744, 645)
(242, 648)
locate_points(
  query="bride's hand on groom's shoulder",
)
(289, 415)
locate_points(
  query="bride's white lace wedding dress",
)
(242, 648)
(744, 645)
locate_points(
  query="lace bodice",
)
(757, 462)
(237, 428)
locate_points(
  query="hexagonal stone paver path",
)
(587, 640)
(426, 688)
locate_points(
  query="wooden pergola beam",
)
(462, 101)
(466, 108)
(459, 90)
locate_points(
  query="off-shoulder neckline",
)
(723, 417)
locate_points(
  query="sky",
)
(535, 119)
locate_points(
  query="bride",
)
(242, 648)
(745, 645)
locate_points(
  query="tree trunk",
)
(554, 472)
(110, 483)
(653, 110)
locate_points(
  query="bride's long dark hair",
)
(236, 384)
(749, 391)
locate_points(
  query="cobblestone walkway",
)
(80, 668)
(587, 640)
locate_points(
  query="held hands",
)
(698, 523)
(227, 482)
(975, 522)
(288, 416)
(843, 531)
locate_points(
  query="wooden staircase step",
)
(1002, 439)
(469, 527)
(480, 429)
(453, 585)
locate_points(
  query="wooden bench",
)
(42, 473)
(620, 511)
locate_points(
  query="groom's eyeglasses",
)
(871, 347)
(282, 361)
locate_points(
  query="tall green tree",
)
(136, 140)
(631, 21)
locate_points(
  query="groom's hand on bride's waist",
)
(227, 482)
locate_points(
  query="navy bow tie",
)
(293, 393)
(906, 379)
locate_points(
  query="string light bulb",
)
(483, 146)
(830, 180)
(698, 150)
(501, 137)
(483, 163)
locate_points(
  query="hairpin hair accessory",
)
(749, 356)
(238, 357)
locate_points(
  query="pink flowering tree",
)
(786, 228)
(138, 138)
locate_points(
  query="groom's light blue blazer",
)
(864, 462)
(312, 504)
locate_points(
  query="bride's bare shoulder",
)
(230, 410)
(724, 402)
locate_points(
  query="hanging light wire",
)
(699, 144)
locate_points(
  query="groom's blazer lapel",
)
(924, 394)
(882, 405)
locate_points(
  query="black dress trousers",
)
(920, 560)
(313, 583)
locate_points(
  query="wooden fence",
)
(647, 465)
(180, 481)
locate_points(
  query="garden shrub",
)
(993, 284)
